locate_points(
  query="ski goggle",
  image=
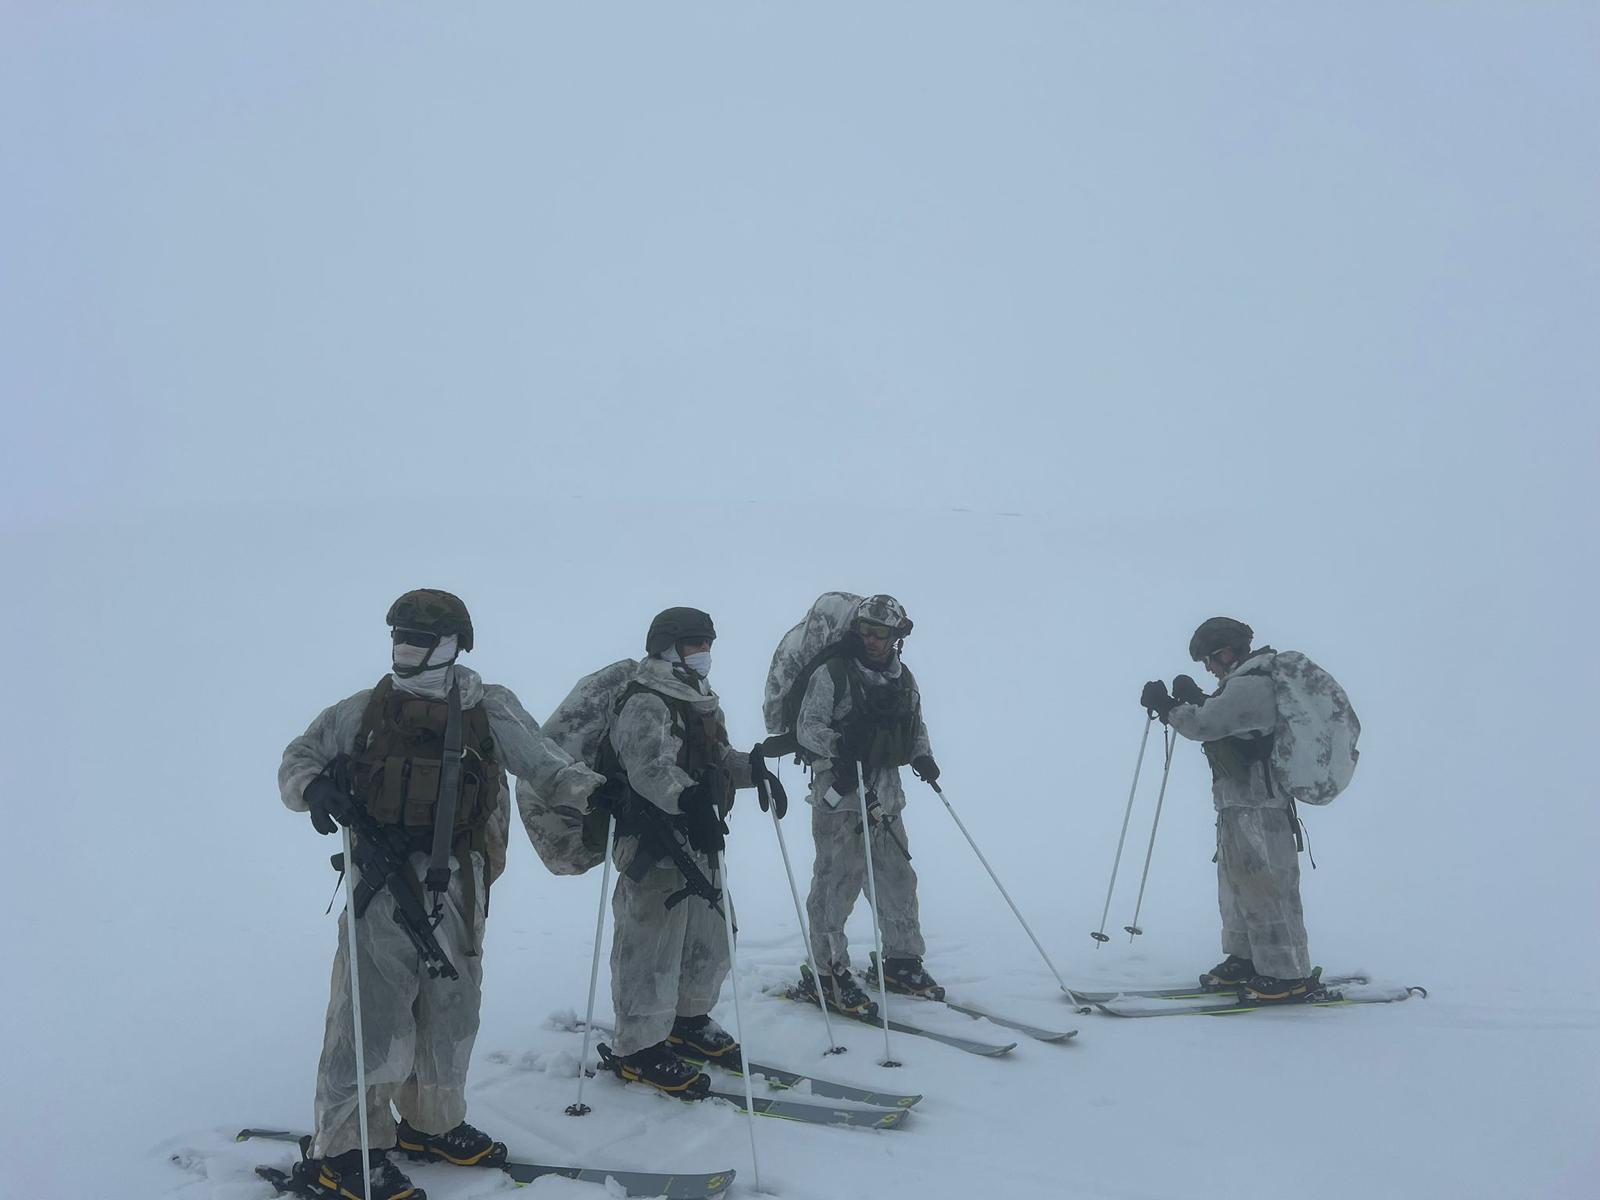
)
(414, 637)
(874, 630)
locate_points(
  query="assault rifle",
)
(381, 856)
(660, 836)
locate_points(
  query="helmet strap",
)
(427, 663)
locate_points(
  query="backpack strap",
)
(832, 655)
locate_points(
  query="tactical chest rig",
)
(702, 745)
(880, 730)
(396, 769)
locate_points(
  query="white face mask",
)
(438, 658)
(699, 663)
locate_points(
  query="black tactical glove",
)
(925, 769)
(1154, 699)
(329, 803)
(846, 778)
(769, 788)
(702, 824)
(1186, 691)
(777, 746)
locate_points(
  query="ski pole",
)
(872, 900)
(738, 1021)
(578, 1108)
(1100, 937)
(355, 1013)
(805, 936)
(949, 808)
(1169, 738)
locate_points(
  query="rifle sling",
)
(444, 810)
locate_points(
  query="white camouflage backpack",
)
(570, 841)
(1314, 743)
(800, 650)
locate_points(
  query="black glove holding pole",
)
(769, 788)
(702, 823)
(1154, 699)
(925, 769)
(329, 804)
(1186, 691)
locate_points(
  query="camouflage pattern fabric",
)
(826, 622)
(1258, 869)
(839, 876)
(823, 713)
(1244, 707)
(663, 963)
(1258, 891)
(418, 1032)
(1314, 743)
(554, 821)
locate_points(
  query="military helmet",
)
(1215, 633)
(674, 625)
(883, 610)
(432, 611)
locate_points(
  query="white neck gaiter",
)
(433, 682)
(699, 663)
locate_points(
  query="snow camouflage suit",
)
(664, 963)
(839, 872)
(418, 1031)
(1258, 866)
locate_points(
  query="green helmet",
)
(674, 625)
(1217, 632)
(432, 611)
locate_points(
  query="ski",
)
(973, 1010)
(634, 1183)
(1034, 1031)
(1230, 1006)
(816, 1114)
(779, 1077)
(1191, 991)
(970, 1045)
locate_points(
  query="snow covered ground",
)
(176, 993)
(1070, 328)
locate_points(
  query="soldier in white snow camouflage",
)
(668, 964)
(1258, 865)
(859, 721)
(380, 750)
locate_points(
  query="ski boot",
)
(659, 1067)
(1228, 974)
(906, 976)
(341, 1174)
(700, 1039)
(463, 1146)
(1268, 989)
(842, 993)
